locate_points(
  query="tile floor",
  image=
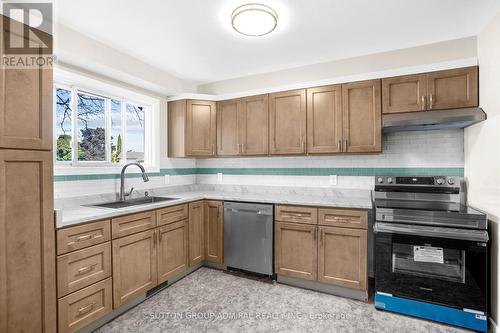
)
(210, 300)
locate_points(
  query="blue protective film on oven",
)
(443, 314)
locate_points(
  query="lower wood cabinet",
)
(214, 231)
(196, 233)
(342, 256)
(333, 252)
(134, 266)
(296, 250)
(81, 268)
(172, 250)
(81, 308)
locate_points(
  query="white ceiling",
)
(193, 39)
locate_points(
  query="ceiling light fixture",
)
(254, 19)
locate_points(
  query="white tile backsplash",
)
(442, 148)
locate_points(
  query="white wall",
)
(368, 66)
(482, 146)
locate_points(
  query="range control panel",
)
(423, 181)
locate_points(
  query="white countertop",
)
(69, 216)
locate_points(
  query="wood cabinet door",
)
(200, 128)
(196, 233)
(134, 266)
(324, 120)
(227, 128)
(26, 95)
(172, 250)
(295, 250)
(287, 122)
(404, 93)
(254, 125)
(342, 254)
(362, 117)
(27, 242)
(455, 88)
(214, 231)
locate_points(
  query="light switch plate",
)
(167, 179)
(333, 179)
(219, 177)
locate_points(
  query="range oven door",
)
(437, 265)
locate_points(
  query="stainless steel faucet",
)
(122, 179)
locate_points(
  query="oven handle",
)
(419, 230)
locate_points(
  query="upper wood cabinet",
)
(362, 117)
(26, 95)
(196, 233)
(324, 120)
(134, 266)
(191, 128)
(172, 250)
(242, 126)
(214, 231)
(228, 127)
(455, 88)
(200, 128)
(404, 93)
(254, 125)
(287, 123)
(342, 254)
(27, 242)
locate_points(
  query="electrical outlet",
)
(333, 180)
(219, 177)
(167, 179)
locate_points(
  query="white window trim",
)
(73, 82)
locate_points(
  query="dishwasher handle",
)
(250, 211)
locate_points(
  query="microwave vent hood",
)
(432, 120)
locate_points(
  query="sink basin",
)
(133, 202)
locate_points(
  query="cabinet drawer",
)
(79, 269)
(172, 214)
(296, 214)
(131, 224)
(349, 218)
(81, 236)
(85, 306)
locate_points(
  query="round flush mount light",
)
(254, 19)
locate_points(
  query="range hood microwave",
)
(432, 120)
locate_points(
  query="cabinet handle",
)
(243, 148)
(154, 239)
(423, 102)
(431, 101)
(85, 237)
(85, 269)
(86, 308)
(346, 142)
(339, 144)
(213, 149)
(303, 146)
(159, 236)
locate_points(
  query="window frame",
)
(76, 83)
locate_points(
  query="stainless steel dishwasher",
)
(248, 236)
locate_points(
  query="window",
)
(101, 130)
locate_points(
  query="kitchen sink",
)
(133, 202)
